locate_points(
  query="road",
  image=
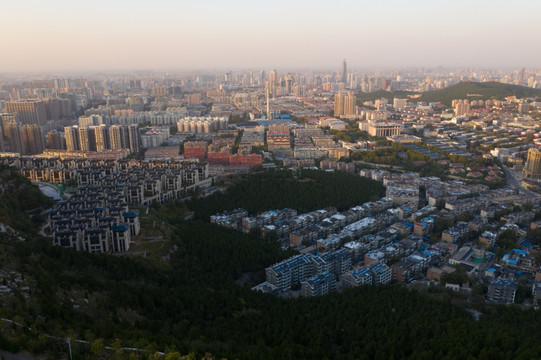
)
(514, 181)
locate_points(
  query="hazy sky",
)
(57, 35)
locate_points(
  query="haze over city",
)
(63, 36)
(203, 180)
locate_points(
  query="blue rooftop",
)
(121, 227)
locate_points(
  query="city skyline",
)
(211, 35)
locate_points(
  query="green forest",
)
(192, 304)
(19, 199)
(304, 191)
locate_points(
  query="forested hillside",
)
(18, 197)
(192, 303)
(307, 191)
(195, 306)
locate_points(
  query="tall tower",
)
(344, 76)
(273, 82)
(532, 169)
(289, 84)
(268, 103)
(339, 104)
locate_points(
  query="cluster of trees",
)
(304, 191)
(194, 305)
(239, 118)
(18, 197)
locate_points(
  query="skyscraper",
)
(289, 84)
(33, 139)
(338, 104)
(532, 169)
(273, 82)
(344, 75)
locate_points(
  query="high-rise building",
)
(523, 107)
(84, 139)
(33, 139)
(2, 147)
(462, 107)
(71, 135)
(273, 83)
(52, 109)
(6, 118)
(55, 140)
(338, 104)
(91, 120)
(64, 107)
(28, 111)
(99, 136)
(14, 133)
(344, 104)
(299, 90)
(350, 104)
(399, 103)
(115, 137)
(134, 139)
(289, 84)
(344, 75)
(194, 99)
(532, 169)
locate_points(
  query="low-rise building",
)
(502, 290)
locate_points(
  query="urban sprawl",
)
(462, 177)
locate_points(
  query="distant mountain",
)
(464, 90)
(479, 91)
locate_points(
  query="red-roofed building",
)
(195, 149)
